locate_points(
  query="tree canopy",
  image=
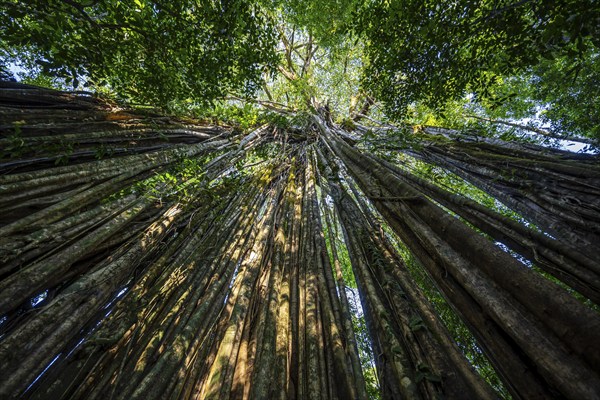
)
(434, 51)
(150, 51)
(399, 54)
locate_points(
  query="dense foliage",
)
(433, 51)
(529, 59)
(148, 51)
(565, 97)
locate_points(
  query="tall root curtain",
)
(145, 256)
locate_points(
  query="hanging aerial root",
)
(515, 297)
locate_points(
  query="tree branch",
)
(534, 129)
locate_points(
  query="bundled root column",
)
(519, 307)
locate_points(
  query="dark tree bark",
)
(488, 283)
(150, 257)
(558, 192)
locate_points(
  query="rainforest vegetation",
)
(285, 199)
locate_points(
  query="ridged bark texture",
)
(150, 257)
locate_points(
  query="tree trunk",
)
(496, 285)
(150, 257)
